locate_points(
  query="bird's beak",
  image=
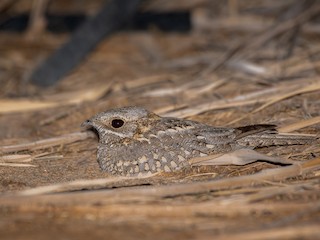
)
(87, 124)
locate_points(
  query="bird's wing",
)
(255, 129)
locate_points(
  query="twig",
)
(17, 165)
(310, 231)
(50, 142)
(16, 158)
(299, 125)
(263, 194)
(310, 88)
(57, 100)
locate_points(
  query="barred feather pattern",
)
(134, 141)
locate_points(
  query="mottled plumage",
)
(134, 141)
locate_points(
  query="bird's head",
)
(121, 123)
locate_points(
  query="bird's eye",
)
(117, 123)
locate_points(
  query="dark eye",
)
(116, 123)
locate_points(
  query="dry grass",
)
(245, 62)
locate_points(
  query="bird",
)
(136, 142)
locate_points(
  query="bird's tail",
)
(275, 139)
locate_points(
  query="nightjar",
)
(134, 141)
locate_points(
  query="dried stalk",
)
(280, 97)
(17, 165)
(58, 100)
(310, 231)
(311, 88)
(16, 158)
(50, 142)
(265, 193)
(299, 125)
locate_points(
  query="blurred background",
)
(196, 56)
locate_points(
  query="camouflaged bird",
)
(134, 141)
